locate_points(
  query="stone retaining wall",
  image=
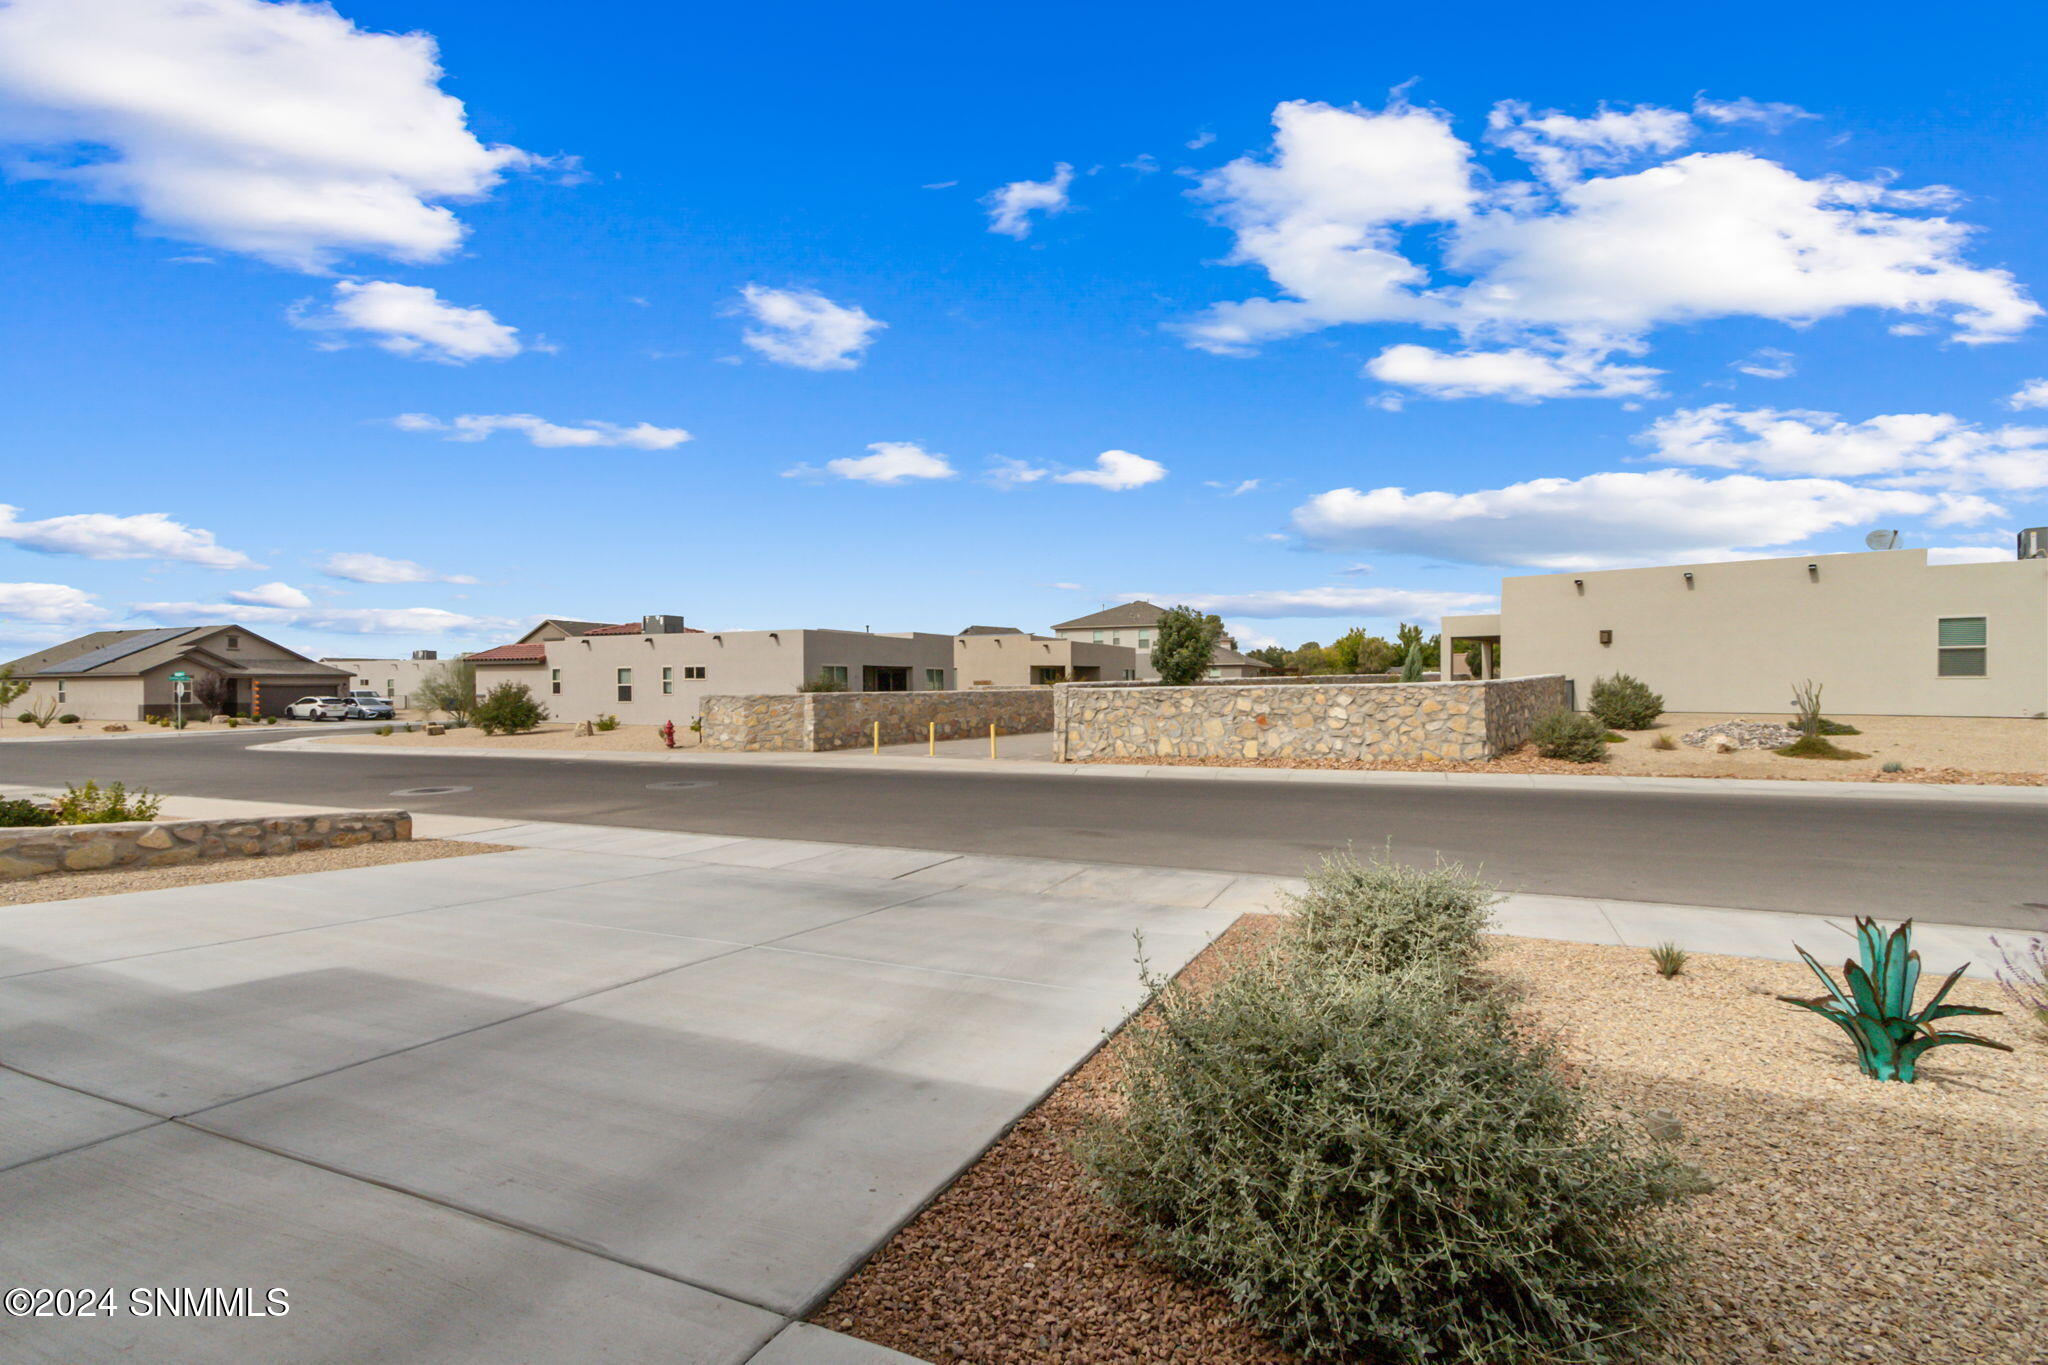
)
(1329, 717)
(35, 850)
(811, 722)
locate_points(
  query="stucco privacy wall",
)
(814, 721)
(1341, 718)
(33, 851)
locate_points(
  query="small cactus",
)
(1877, 1010)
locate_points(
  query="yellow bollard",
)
(991, 739)
(878, 739)
(932, 742)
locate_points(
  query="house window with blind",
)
(1961, 647)
(625, 684)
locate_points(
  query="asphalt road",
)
(1963, 863)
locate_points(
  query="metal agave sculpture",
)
(1877, 1011)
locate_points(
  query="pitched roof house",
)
(126, 674)
(1133, 624)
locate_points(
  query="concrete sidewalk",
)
(1035, 758)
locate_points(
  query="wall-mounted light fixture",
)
(1580, 584)
(1813, 572)
(1688, 578)
(1606, 637)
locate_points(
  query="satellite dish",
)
(1882, 540)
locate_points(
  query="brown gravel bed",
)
(1852, 1222)
(1526, 760)
(64, 886)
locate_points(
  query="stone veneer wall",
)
(1315, 717)
(35, 850)
(809, 722)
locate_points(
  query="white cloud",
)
(1561, 148)
(1010, 208)
(1919, 449)
(1200, 140)
(540, 432)
(1520, 374)
(278, 130)
(271, 595)
(101, 535)
(421, 621)
(1767, 362)
(1746, 110)
(1967, 554)
(2032, 394)
(1232, 490)
(893, 462)
(48, 604)
(365, 568)
(1370, 603)
(1006, 473)
(1612, 520)
(1117, 471)
(1571, 265)
(410, 320)
(806, 329)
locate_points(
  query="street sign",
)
(181, 676)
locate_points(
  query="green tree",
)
(450, 688)
(1378, 655)
(1182, 645)
(1411, 667)
(1308, 659)
(1411, 638)
(1273, 657)
(1343, 654)
(11, 688)
(509, 709)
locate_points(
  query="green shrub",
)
(1813, 746)
(1894, 766)
(1823, 726)
(1570, 735)
(67, 719)
(93, 804)
(27, 718)
(16, 814)
(509, 709)
(1377, 1168)
(1380, 916)
(1664, 742)
(384, 730)
(605, 723)
(1670, 959)
(824, 682)
(1625, 703)
(1183, 644)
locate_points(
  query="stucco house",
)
(658, 671)
(1136, 625)
(123, 675)
(393, 678)
(983, 657)
(1884, 632)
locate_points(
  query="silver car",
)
(370, 706)
(318, 708)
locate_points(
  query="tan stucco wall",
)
(393, 678)
(740, 661)
(1007, 660)
(1739, 638)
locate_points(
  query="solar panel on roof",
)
(120, 649)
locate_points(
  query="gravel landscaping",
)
(549, 737)
(1851, 1220)
(64, 886)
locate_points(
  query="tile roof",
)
(511, 654)
(1123, 614)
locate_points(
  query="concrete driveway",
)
(650, 1096)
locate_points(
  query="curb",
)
(1691, 786)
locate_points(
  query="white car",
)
(318, 708)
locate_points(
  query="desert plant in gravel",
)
(2024, 979)
(1664, 742)
(1625, 703)
(1670, 959)
(509, 709)
(1569, 735)
(113, 804)
(1377, 1166)
(42, 713)
(1380, 916)
(16, 813)
(1876, 1010)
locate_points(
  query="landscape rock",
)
(1741, 734)
(114, 729)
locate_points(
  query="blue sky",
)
(1334, 317)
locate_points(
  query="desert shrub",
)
(1894, 766)
(1625, 703)
(1664, 742)
(1377, 1168)
(1669, 958)
(1814, 746)
(605, 723)
(1570, 735)
(509, 709)
(67, 719)
(824, 682)
(2024, 977)
(27, 718)
(448, 687)
(1380, 916)
(384, 729)
(1823, 726)
(16, 814)
(93, 804)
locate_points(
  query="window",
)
(1961, 647)
(555, 681)
(234, 642)
(668, 681)
(1098, 637)
(60, 691)
(391, 687)
(625, 684)
(693, 671)
(1143, 643)
(1116, 637)
(935, 680)
(1130, 674)
(834, 673)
